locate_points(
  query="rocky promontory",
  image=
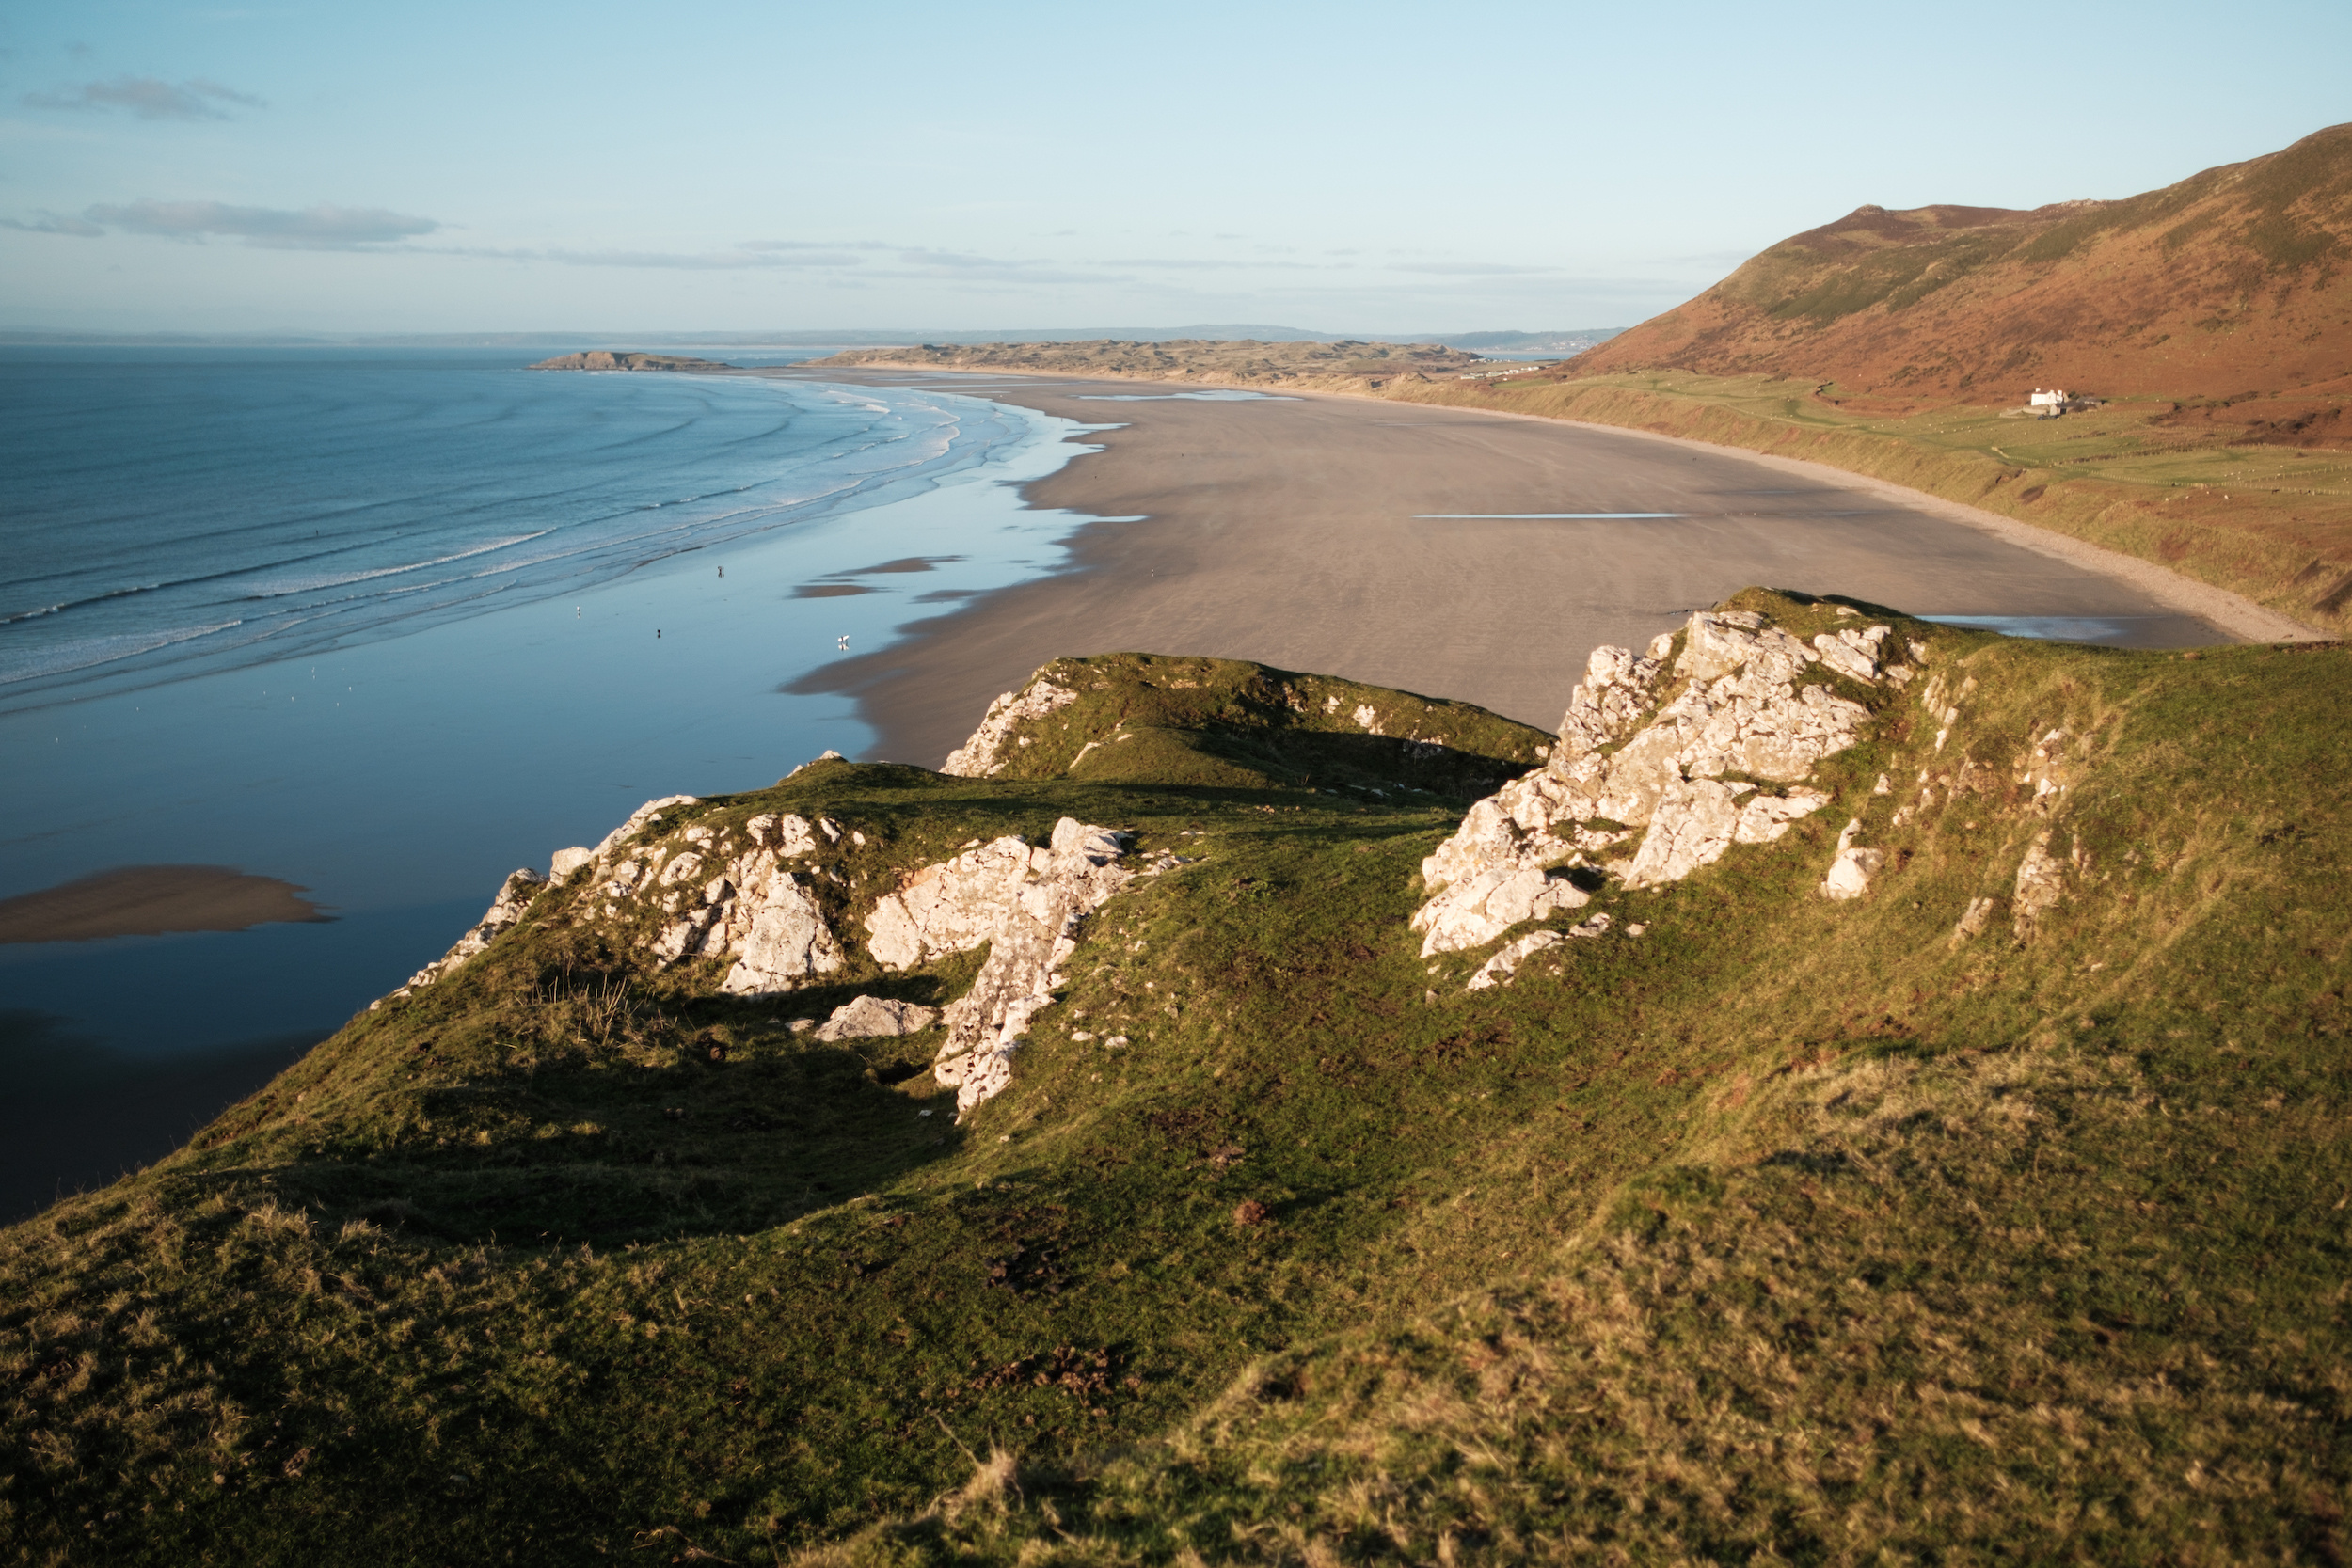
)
(605, 359)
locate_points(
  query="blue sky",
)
(1360, 167)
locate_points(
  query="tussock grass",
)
(1787, 1230)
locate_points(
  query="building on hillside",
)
(2047, 400)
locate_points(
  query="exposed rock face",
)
(515, 897)
(645, 816)
(979, 756)
(787, 941)
(1737, 711)
(948, 908)
(870, 1016)
(2041, 883)
(1032, 931)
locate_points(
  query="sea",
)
(388, 624)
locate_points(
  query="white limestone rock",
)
(568, 860)
(1489, 903)
(1697, 819)
(2041, 883)
(978, 757)
(1035, 920)
(1850, 874)
(789, 835)
(1499, 970)
(1739, 710)
(787, 941)
(1972, 920)
(948, 908)
(514, 898)
(868, 1017)
(643, 817)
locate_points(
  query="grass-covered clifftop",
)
(1784, 1229)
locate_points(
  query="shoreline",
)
(1421, 546)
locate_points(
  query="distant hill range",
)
(2233, 282)
(1243, 362)
(1563, 340)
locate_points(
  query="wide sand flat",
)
(1295, 531)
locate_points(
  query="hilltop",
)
(1245, 362)
(2233, 282)
(1860, 1087)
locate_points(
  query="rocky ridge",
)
(1675, 744)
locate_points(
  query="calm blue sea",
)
(389, 623)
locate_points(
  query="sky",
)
(1363, 168)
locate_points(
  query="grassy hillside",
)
(1782, 1229)
(2232, 280)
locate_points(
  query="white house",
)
(2047, 400)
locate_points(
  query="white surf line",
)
(1591, 516)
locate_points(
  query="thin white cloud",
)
(1469, 269)
(148, 97)
(54, 223)
(1174, 264)
(321, 227)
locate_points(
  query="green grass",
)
(1785, 1231)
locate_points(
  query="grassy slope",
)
(1783, 1227)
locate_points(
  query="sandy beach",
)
(1311, 533)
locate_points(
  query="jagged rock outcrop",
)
(1033, 926)
(869, 1017)
(787, 942)
(948, 908)
(514, 898)
(1680, 772)
(982, 755)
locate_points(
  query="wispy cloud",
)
(1179, 263)
(54, 223)
(322, 227)
(148, 97)
(1469, 269)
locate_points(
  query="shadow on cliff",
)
(729, 1122)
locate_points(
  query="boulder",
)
(568, 860)
(787, 943)
(1850, 874)
(868, 1017)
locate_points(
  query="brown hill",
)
(2232, 282)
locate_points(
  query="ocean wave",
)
(60, 658)
(273, 537)
(313, 584)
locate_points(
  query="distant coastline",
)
(604, 359)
